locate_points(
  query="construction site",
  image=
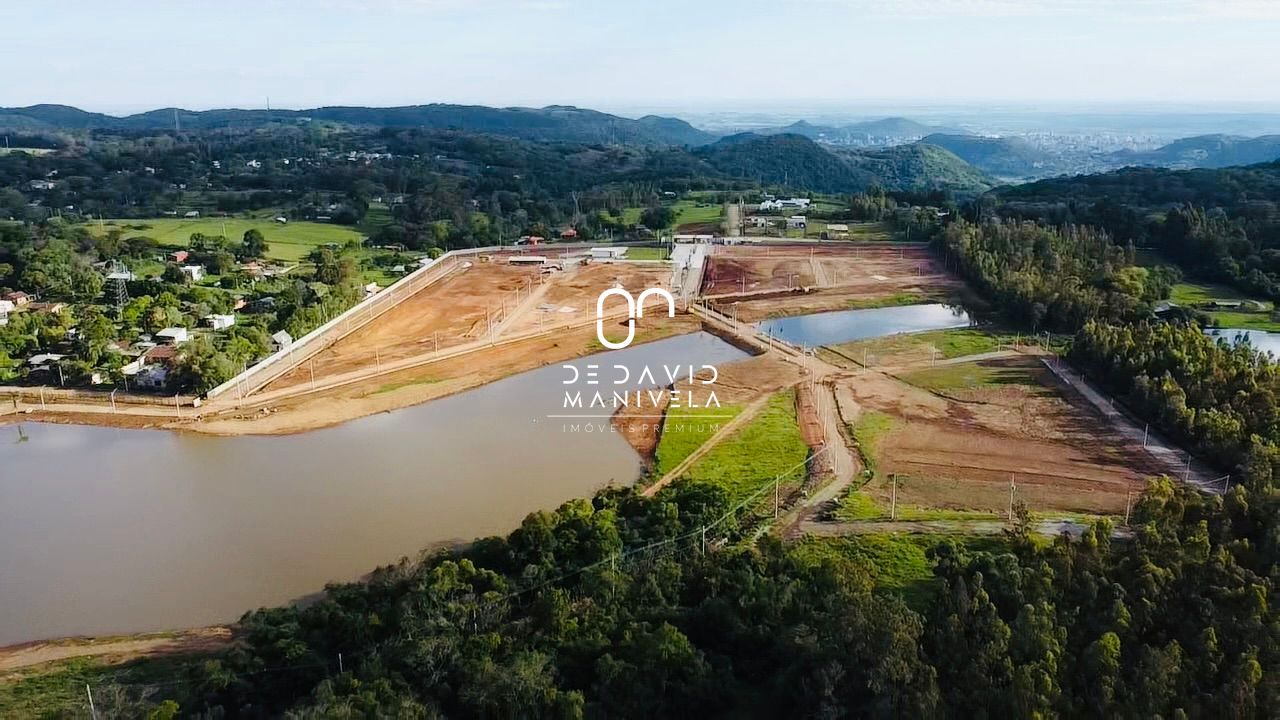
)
(773, 280)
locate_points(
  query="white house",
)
(220, 322)
(195, 272)
(796, 222)
(758, 221)
(280, 341)
(282, 219)
(608, 253)
(191, 214)
(173, 335)
(837, 230)
(770, 205)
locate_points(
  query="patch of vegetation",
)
(392, 387)
(870, 429)
(894, 300)
(690, 212)
(289, 243)
(768, 447)
(954, 343)
(972, 375)
(58, 690)
(684, 430)
(648, 253)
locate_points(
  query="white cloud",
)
(1127, 10)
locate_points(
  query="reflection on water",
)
(836, 327)
(112, 531)
(1259, 339)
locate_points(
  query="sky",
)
(133, 55)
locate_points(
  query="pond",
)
(831, 328)
(1259, 339)
(119, 531)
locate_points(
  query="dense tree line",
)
(1221, 225)
(1213, 397)
(555, 620)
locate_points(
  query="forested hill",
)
(549, 124)
(1208, 151)
(1154, 187)
(797, 161)
(1003, 157)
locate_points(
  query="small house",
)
(191, 214)
(371, 289)
(220, 322)
(758, 221)
(608, 253)
(569, 234)
(52, 308)
(179, 256)
(281, 219)
(796, 222)
(837, 230)
(18, 298)
(194, 272)
(280, 340)
(173, 336)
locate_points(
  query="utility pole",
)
(1128, 506)
(893, 497)
(92, 710)
(1011, 491)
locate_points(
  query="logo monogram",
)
(635, 309)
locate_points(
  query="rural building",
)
(173, 335)
(771, 204)
(195, 272)
(837, 230)
(281, 219)
(6, 307)
(42, 185)
(191, 214)
(179, 256)
(220, 322)
(569, 234)
(371, 289)
(17, 297)
(796, 222)
(758, 221)
(280, 341)
(47, 307)
(608, 253)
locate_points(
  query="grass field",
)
(59, 691)
(690, 212)
(897, 563)
(648, 253)
(686, 429)
(1189, 294)
(289, 243)
(768, 447)
(971, 375)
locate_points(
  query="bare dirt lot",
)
(454, 311)
(420, 384)
(957, 446)
(775, 280)
(569, 297)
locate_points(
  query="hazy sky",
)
(130, 55)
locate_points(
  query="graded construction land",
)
(300, 410)
(569, 297)
(954, 436)
(774, 280)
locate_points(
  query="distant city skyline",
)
(143, 54)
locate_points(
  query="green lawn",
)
(768, 447)
(375, 218)
(1188, 294)
(648, 253)
(289, 243)
(685, 430)
(871, 428)
(690, 212)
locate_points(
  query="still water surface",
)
(847, 325)
(1259, 339)
(114, 531)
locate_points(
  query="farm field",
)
(954, 436)
(692, 212)
(763, 280)
(288, 243)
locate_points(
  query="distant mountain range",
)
(554, 123)
(888, 131)
(1207, 151)
(797, 161)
